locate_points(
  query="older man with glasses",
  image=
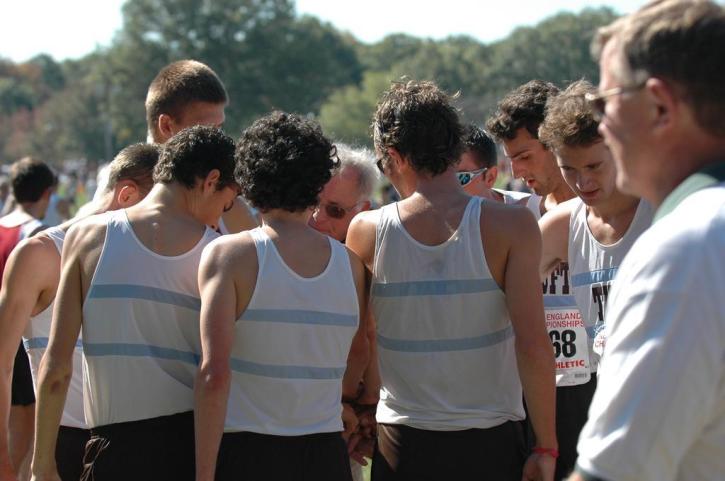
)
(659, 409)
(347, 193)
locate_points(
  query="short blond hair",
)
(569, 121)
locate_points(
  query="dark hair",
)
(679, 41)
(194, 152)
(179, 84)
(283, 162)
(569, 121)
(136, 163)
(481, 145)
(418, 120)
(521, 108)
(30, 178)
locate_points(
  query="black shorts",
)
(69, 452)
(408, 454)
(262, 457)
(157, 449)
(572, 407)
(22, 388)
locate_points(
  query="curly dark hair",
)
(569, 121)
(194, 152)
(522, 107)
(30, 179)
(283, 162)
(418, 120)
(478, 142)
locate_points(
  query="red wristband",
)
(554, 453)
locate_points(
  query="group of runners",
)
(236, 310)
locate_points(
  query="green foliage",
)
(347, 114)
(269, 58)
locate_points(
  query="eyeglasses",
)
(598, 102)
(466, 177)
(335, 211)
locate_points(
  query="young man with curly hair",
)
(592, 232)
(128, 280)
(281, 321)
(458, 306)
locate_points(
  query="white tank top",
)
(593, 266)
(291, 346)
(533, 203)
(140, 329)
(445, 340)
(35, 339)
(514, 196)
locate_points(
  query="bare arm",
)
(554, 226)
(359, 355)
(56, 367)
(27, 274)
(361, 240)
(223, 298)
(534, 355)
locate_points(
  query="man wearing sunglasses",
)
(659, 409)
(348, 192)
(593, 233)
(478, 170)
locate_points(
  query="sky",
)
(73, 28)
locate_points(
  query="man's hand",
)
(539, 467)
(349, 421)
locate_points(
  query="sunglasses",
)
(466, 177)
(598, 102)
(335, 211)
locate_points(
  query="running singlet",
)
(35, 339)
(593, 268)
(445, 340)
(140, 329)
(291, 346)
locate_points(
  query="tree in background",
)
(269, 58)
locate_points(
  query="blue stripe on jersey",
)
(239, 365)
(552, 302)
(297, 316)
(442, 345)
(586, 278)
(139, 350)
(131, 291)
(42, 343)
(433, 288)
(286, 372)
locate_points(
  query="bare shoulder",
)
(358, 268)
(561, 212)
(36, 250)
(366, 220)
(87, 233)
(229, 253)
(510, 220)
(361, 235)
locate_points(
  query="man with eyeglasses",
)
(659, 409)
(347, 193)
(593, 233)
(478, 169)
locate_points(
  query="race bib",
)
(570, 342)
